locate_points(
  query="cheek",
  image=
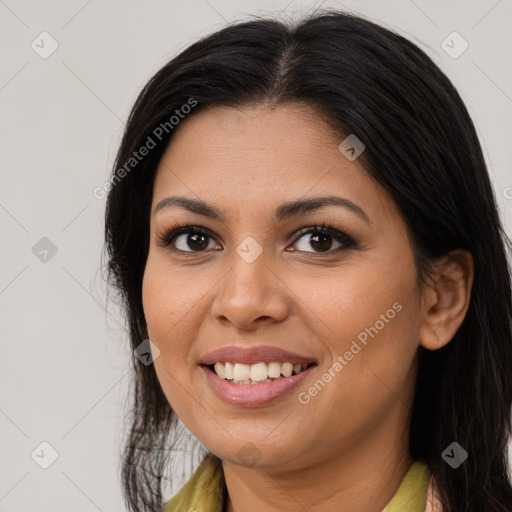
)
(360, 304)
(165, 309)
(156, 301)
(172, 303)
(367, 323)
(169, 299)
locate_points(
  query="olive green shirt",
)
(206, 490)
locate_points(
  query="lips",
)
(253, 355)
(255, 394)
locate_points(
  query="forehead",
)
(262, 154)
(290, 131)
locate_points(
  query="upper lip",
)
(253, 355)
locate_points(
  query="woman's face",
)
(346, 303)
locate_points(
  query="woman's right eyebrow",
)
(282, 212)
(191, 205)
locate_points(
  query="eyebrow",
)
(281, 213)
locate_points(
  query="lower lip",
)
(254, 395)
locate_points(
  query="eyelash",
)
(166, 238)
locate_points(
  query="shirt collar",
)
(206, 491)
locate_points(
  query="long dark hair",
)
(421, 146)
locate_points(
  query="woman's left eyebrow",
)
(282, 212)
(302, 206)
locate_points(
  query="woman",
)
(301, 221)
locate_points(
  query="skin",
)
(347, 449)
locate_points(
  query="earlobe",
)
(438, 338)
(447, 300)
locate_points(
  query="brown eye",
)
(188, 239)
(196, 242)
(322, 238)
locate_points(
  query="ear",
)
(446, 301)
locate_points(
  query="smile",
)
(240, 373)
(246, 392)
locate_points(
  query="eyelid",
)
(325, 228)
(167, 236)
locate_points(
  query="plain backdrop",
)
(64, 359)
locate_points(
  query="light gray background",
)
(63, 369)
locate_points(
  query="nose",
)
(250, 294)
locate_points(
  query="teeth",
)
(287, 369)
(219, 370)
(274, 370)
(228, 367)
(259, 372)
(240, 373)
